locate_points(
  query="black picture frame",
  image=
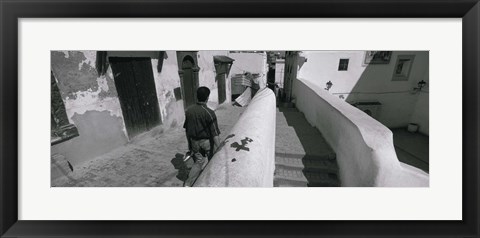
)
(11, 11)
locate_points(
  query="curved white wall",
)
(233, 167)
(372, 82)
(420, 114)
(364, 147)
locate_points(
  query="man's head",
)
(202, 94)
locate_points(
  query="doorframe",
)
(222, 65)
(219, 91)
(121, 100)
(181, 55)
(290, 73)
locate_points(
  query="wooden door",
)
(146, 88)
(137, 94)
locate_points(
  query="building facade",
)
(387, 89)
(106, 98)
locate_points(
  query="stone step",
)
(280, 182)
(287, 109)
(299, 130)
(302, 156)
(291, 118)
(306, 164)
(285, 104)
(289, 131)
(297, 122)
(304, 128)
(328, 155)
(289, 144)
(297, 178)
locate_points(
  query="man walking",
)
(202, 131)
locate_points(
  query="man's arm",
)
(215, 132)
(186, 134)
(189, 142)
(216, 144)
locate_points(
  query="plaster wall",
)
(166, 81)
(364, 147)
(91, 104)
(255, 63)
(279, 72)
(253, 166)
(371, 82)
(207, 75)
(171, 109)
(420, 114)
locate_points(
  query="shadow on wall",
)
(363, 146)
(390, 99)
(319, 160)
(387, 93)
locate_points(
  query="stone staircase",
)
(302, 156)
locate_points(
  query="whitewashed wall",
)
(255, 63)
(207, 75)
(364, 147)
(92, 105)
(372, 83)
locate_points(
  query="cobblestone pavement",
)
(152, 159)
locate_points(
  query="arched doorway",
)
(188, 85)
(188, 72)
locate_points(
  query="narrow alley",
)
(152, 159)
(302, 156)
(290, 118)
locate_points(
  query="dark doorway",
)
(222, 90)
(222, 67)
(137, 94)
(271, 78)
(189, 84)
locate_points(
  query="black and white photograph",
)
(285, 118)
(237, 118)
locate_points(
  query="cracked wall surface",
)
(92, 105)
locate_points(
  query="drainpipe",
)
(246, 158)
